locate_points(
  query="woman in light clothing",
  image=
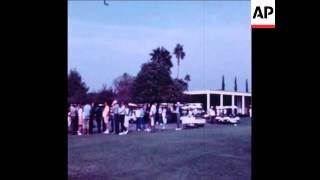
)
(80, 122)
(164, 117)
(69, 121)
(105, 115)
(128, 115)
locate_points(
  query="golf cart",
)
(226, 115)
(192, 116)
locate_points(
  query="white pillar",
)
(232, 103)
(242, 106)
(208, 102)
(221, 100)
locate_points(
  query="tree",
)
(175, 91)
(180, 54)
(152, 83)
(187, 78)
(223, 84)
(247, 86)
(91, 97)
(235, 84)
(161, 56)
(104, 95)
(77, 89)
(101, 96)
(122, 87)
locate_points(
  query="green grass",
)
(214, 152)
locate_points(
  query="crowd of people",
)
(114, 119)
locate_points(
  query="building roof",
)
(199, 92)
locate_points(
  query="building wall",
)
(214, 100)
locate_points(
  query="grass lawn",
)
(220, 152)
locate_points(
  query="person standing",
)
(69, 121)
(105, 115)
(122, 113)
(92, 114)
(98, 114)
(86, 115)
(80, 119)
(139, 116)
(111, 120)
(170, 113)
(164, 117)
(177, 111)
(153, 111)
(147, 117)
(159, 114)
(142, 115)
(212, 114)
(128, 116)
(74, 119)
(115, 111)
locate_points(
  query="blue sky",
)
(106, 41)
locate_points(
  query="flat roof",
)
(199, 92)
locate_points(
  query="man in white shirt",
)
(139, 113)
(122, 112)
(212, 114)
(177, 111)
(153, 111)
(86, 118)
(115, 112)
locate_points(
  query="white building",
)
(220, 99)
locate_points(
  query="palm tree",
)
(247, 87)
(223, 84)
(180, 54)
(235, 84)
(161, 56)
(187, 78)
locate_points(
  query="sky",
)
(106, 41)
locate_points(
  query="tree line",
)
(152, 84)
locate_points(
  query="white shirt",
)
(164, 111)
(127, 111)
(122, 110)
(138, 112)
(212, 112)
(153, 110)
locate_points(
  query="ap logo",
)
(263, 13)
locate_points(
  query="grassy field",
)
(220, 152)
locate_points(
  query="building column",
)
(208, 102)
(221, 100)
(242, 106)
(232, 103)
